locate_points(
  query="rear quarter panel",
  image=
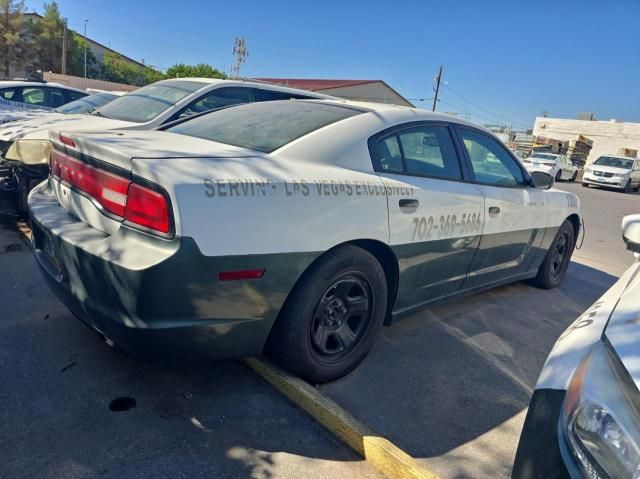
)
(261, 205)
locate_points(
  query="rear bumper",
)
(155, 298)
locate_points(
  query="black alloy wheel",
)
(340, 318)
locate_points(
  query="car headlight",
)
(621, 175)
(601, 417)
(29, 152)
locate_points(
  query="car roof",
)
(209, 82)
(15, 83)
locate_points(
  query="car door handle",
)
(409, 203)
(494, 210)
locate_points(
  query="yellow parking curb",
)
(381, 453)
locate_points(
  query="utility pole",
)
(437, 88)
(85, 48)
(64, 49)
(241, 53)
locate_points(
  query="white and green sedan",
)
(298, 227)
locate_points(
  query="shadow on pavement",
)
(446, 383)
(205, 420)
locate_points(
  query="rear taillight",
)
(548, 164)
(147, 208)
(118, 195)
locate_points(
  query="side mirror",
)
(631, 232)
(541, 180)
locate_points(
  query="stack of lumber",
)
(630, 152)
(579, 150)
(551, 145)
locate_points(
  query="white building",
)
(376, 91)
(608, 136)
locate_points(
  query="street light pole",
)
(437, 89)
(85, 48)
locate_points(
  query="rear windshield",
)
(542, 156)
(264, 126)
(87, 103)
(146, 103)
(615, 162)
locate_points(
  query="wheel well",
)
(389, 263)
(574, 219)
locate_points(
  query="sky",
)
(504, 61)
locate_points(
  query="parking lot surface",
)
(209, 420)
(450, 385)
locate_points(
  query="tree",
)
(201, 70)
(50, 31)
(11, 32)
(75, 57)
(117, 69)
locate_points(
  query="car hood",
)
(608, 169)
(38, 128)
(623, 329)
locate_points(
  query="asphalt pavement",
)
(451, 384)
(71, 407)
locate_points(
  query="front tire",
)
(332, 317)
(558, 176)
(554, 266)
(627, 187)
(575, 175)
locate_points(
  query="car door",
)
(435, 213)
(516, 213)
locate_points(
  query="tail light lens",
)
(118, 195)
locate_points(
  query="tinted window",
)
(219, 98)
(74, 95)
(264, 126)
(56, 98)
(491, 163)
(429, 151)
(88, 103)
(33, 96)
(389, 155)
(271, 95)
(146, 103)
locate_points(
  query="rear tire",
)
(332, 317)
(554, 266)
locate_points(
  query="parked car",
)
(27, 146)
(558, 166)
(17, 97)
(299, 227)
(584, 416)
(619, 172)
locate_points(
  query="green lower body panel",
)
(156, 298)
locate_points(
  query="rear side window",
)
(56, 98)
(74, 95)
(264, 126)
(271, 95)
(425, 150)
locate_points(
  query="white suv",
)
(618, 172)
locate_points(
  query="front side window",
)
(491, 163)
(218, 98)
(146, 103)
(33, 96)
(272, 95)
(264, 126)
